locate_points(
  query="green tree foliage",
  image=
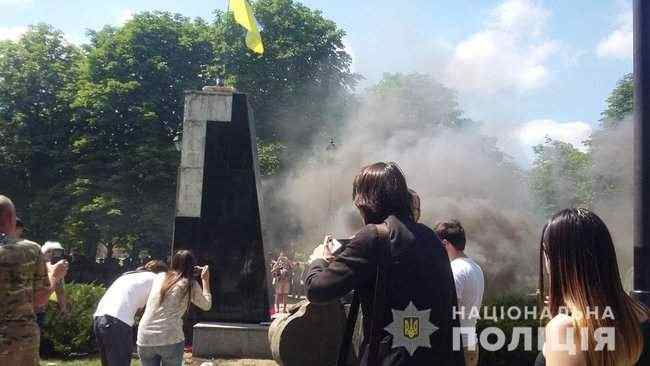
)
(614, 139)
(88, 135)
(37, 78)
(560, 177)
(417, 98)
(303, 73)
(129, 107)
(620, 103)
(563, 176)
(268, 156)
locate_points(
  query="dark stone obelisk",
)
(219, 204)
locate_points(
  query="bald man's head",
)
(7, 216)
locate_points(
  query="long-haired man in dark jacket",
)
(418, 296)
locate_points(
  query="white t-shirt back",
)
(126, 296)
(470, 284)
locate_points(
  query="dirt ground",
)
(189, 361)
(198, 362)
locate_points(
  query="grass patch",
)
(82, 362)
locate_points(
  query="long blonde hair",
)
(583, 276)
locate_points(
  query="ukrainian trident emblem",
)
(411, 328)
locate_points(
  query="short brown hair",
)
(453, 232)
(379, 191)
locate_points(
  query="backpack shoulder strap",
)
(383, 234)
(379, 300)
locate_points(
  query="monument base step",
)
(231, 340)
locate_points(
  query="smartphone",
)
(197, 271)
(336, 246)
(57, 255)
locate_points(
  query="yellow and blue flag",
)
(244, 16)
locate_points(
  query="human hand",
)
(321, 252)
(205, 273)
(58, 270)
(327, 239)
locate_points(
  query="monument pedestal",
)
(231, 340)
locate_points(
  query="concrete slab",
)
(231, 340)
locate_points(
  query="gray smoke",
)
(457, 172)
(613, 172)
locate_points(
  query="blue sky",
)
(525, 68)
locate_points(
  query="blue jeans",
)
(168, 355)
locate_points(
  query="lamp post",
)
(331, 148)
(642, 150)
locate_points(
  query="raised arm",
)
(330, 280)
(46, 278)
(61, 298)
(201, 295)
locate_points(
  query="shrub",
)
(67, 336)
(518, 356)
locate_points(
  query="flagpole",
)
(223, 77)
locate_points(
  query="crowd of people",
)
(399, 268)
(31, 274)
(402, 268)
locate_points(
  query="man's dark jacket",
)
(415, 269)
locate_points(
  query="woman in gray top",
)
(160, 333)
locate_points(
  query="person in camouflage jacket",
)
(24, 283)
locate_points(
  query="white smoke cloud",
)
(512, 51)
(535, 132)
(618, 44)
(125, 16)
(12, 33)
(457, 173)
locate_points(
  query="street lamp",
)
(330, 149)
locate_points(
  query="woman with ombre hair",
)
(594, 321)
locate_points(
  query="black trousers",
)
(114, 339)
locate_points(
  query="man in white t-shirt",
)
(115, 314)
(469, 281)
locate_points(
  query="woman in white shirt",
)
(160, 333)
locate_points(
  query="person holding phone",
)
(53, 252)
(115, 315)
(400, 272)
(160, 333)
(281, 272)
